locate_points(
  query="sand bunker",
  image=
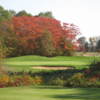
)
(52, 68)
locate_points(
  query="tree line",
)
(92, 45)
(24, 34)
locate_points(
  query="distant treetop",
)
(46, 14)
(23, 13)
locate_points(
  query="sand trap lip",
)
(51, 68)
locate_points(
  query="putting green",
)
(28, 62)
(47, 63)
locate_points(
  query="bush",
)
(19, 80)
(95, 66)
(67, 78)
(93, 70)
(57, 81)
(4, 79)
(77, 80)
(22, 80)
(37, 80)
(81, 80)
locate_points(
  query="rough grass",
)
(49, 93)
(27, 62)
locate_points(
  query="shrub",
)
(93, 70)
(27, 80)
(56, 81)
(95, 66)
(4, 80)
(77, 80)
(37, 80)
(59, 78)
(21, 80)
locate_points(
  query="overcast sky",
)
(83, 13)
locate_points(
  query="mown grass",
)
(58, 58)
(27, 62)
(49, 93)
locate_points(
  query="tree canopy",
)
(46, 14)
(23, 13)
(4, 14)
(29, 29)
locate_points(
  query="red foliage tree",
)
(29, 29)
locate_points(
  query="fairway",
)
(49, 93)
(27, 62)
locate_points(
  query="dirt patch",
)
(52, 68)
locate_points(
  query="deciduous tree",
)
(29, 29)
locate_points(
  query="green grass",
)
(26, 62)
(49, 93)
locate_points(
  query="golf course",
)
(49, 50)
(49, 93)
(25, 63)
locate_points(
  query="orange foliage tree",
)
(29, 29)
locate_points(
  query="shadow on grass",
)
(61, 93)
(79, 94)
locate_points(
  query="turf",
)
(49, 93)
(27, 62)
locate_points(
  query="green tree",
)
(8, 38)
(4, 14)
(82, 41)
(1, 50)
(98, 45)
(87, 46)
(45, 45)
(46, 14)
(23, 13)
(12, 12)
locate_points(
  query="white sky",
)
(83, 13)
